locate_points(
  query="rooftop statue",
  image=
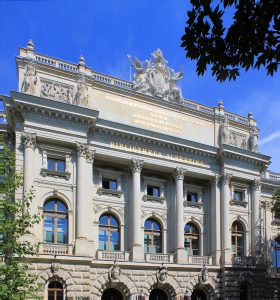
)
(155, 78)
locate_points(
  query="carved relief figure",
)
(114, 272)
(56, 91)
(203, 275)
(254, 140)
(155, 78)
(81, 97)
(30, 79)
(162, 273)
(224, 132)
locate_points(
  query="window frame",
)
(156, 183)
(55, 214)
(109, 175)
(153, 233)
(109, 230)
(55, 290)
(236, 234)
(191, 237)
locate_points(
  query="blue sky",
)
(105, 31)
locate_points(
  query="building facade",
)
(144, 194)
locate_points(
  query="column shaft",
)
(255, 234)
(29, 147)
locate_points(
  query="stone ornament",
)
(29, 140)
(55, 268)
(136, 165)
(224, 132)
(179, 174)
(155, 78)
(162, 274)
(81, 97)
(56, 91)
(254, 140)
(225, 178)
(203, 275)
(256, 184)
(85, 151)
(114, 273)
(29, 83)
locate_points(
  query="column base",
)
(226, 257)
(83, 247)
(181, 256)
(137, 253)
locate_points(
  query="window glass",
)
(61, 165)
(48, 229)
(49, 205)
(113, 184)
(51, 164)
(191, 239)
(56, 164)
(153, 191)
(109, 233)
(237, 239)
(152, 237)
(276, 253)
(237, 196)
(62, 230)
(192, 197)
(1, 105)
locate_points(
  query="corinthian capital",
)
(29, 140)
(225, 178)
(256, 184)
(136, 165)
(84, 150)
(179, 174)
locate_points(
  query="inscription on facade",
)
(159, 154)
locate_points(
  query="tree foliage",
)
(16, 221)
(250, 41)
(276, 204)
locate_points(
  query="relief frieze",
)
(56, 91)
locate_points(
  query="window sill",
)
(113, 193)
(55, 174)
(153, 199)
(192, 204)
(238, 203)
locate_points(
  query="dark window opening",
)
(237, 196)
(56, 164)
(192, 197)
(153, 191)
(109, 184)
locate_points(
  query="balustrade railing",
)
(200, 260)
(54, 249)
(112, 255)
(159, 258)
(244, 260)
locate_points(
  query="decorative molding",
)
(56, 91)
(154, 199)
(84, 150)
(29, 140)
(193, 204)
(238, 203)
(56, 174)
(113, 193)
(136, 165)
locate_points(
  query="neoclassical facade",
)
(144, 194)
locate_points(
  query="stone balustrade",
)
(243, 260)
(112, 255)
(159, 258)
(55, 249)
(200, 260)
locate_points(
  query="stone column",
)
(255, 225)
(29, 141)
(226, 238)
(215, 225)
(85, 157)
(180, 252)
(136, 238)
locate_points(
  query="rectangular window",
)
(56, 164)
(237, 196)
(192, 197)
(153, 191)
(109, 184)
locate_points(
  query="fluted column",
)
(215, 225)
(255, 232)
(30, 144)
(180, 252)
(85, 158)
(136, 238)
(225, 198)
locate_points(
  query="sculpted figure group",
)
(155, 78)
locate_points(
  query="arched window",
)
(55, 291)
(109, 233)
(191, 239)
(158, 294)
(55, 222)
(276, 253)
(112, 294)
(152, 236)
(237, 239)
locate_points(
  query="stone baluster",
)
(136, 238)
(85, 158)
(180, 252)
(255, 232)
(225, 199)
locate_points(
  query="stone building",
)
(145, 194)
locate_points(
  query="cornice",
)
(25, 104)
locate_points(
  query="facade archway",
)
(158, 294)
(198, 294)
(245, 291)
(112, 294)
